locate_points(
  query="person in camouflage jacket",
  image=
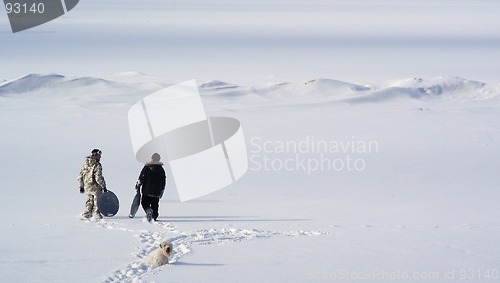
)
(92, 182)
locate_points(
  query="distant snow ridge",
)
(51, 83)
(316, 90)
(222, 90)
(218, 85)
(326, 84)
(31, 82)
(455, 88)
(311, 91)
(183, 243)
(460, 89)
(327, 90)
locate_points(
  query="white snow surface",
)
(412, 194)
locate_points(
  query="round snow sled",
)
(108, 204)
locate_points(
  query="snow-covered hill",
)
(57, 84)
(389, 180)
(324, 90)
(311, 90)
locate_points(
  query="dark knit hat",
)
(96, 153)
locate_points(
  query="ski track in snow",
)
(183, 242)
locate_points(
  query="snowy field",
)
(372, 130)
(345, 181)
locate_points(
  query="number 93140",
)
(24, 8)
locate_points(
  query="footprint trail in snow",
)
(183, 243)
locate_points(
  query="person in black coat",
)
(152, 182)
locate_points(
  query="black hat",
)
(96, 153)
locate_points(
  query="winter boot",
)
(97, 216)
(149, 214)
(87, 215)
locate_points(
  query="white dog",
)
(159, 256)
